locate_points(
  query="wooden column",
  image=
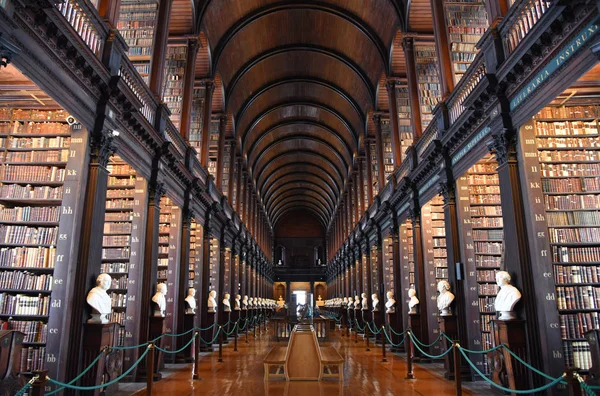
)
(361, 187)
(233, 177)
(109, 11)
(244, 190)
(379, 153)
(238, 186)
(182, 286)
(369, 174)
(443, 48)
(221, 315)
(188, 88)
(380, 285)
(415, 217)
(496, 9)
(159, 52)
(408, 44)
(221, 151)
(396, 320)
(207, 111)
(359, 271)
(396, 147)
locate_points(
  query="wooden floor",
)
(241, 374)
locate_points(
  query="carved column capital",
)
(504, 146)
(447, 191)
(101, 148)
(414, 214)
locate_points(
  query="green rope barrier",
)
(231, 332)
(240, 328)
(446, 336)
(84, 388)
(517, 391)
(122, 348)
(173, 335)
(390, 340)
(213, 340)
(394, 331)
(177, 351)
(371, 329)
(586, 388)
(27, 385)
(427, 345)
(410, 334)
(80, 374)
(492, 350)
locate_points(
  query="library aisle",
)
(241, 373)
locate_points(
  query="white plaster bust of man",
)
(190, 301)
(375, 303)
(212, 301)
(390, 304)
(226, 303)
(365, 302)
(319, 298)
(245, 303)
(99, 300)
(445, 298)
(356, 302)
(507, 297)
(344, 302)
(238, 298)
(413, 302)
(160, 300)
(350, 302)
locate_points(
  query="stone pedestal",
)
(96, 336)
(505, 369)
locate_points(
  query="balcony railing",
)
(428, 136)
(467, 85)
(139, 88)
(521, 18)
(86, 22)
(175, 137)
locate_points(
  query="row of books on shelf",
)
(485, 323)
(119, 203)
(495, 189)
(578, 297)
(43, 142)
(136, 6)
(573, 326)
(574, 235)
(487, 222)
(570, 170)
(485, 198)
(136, 20)
(34, 115)
(565, 128)
(32, 173)
(16, 191)
(114, 267)
(578, 354)
(115, 240)
(439, 242)
(572, 202)
(139, 51)
(488, 235)
(487, 304)
(566, 142)
(145, 32)
(115, 253)
(488, 247)
(567, 112)
(118, 300)
(441, 273)
(488, 261)
(580, 218)
(34, 331)
(22, 235)
(570, 155)
(32, 359)
(142, 68)
(22, 304)
(486, 210)
(35, 128)
(139, 42)
(28, 257)
(576, 274)
(128, 181)
(25, 281)
(464, 37)
(116, 228)
(28, 213)
(119, 193)
(163, 262)
(571, 185)
(486, 275)
(463, 56)
(475, 179)
(118, 317)
(564, 254)
(35, 156)
(487, 289)
(119, 283)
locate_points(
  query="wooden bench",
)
(329, 358)
(275, 358)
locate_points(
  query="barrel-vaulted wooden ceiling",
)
(299, 80)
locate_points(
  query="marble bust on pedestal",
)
(390, 304)
(190, 301)
(445, 298)
(507, 297)
(245, 303)
(365, 302)
(413, 302)
(356, 302)
(375, 302)
(238, 298)
(226, 303)
(99, 300)
(212, 301)
(350, 303)
(159, 300)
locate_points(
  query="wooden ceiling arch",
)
(311, 211)
(299, 79)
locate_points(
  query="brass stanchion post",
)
(220, 345)
(150, 369)
(384, 358)
(457, 379)
(410, 354)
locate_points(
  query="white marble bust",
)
(356, 302)
(350, 302)
(507, 297)
(365, 302)
(375, 302)
(190, 301)
(212, 301)
(445, 298)
(344, 302)
(390, 304)
(413, 302)
(318, 299)
(99, 300)
(280, 301)
(238, 298)
(159, 300)
(245, 303)
(226, 303)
